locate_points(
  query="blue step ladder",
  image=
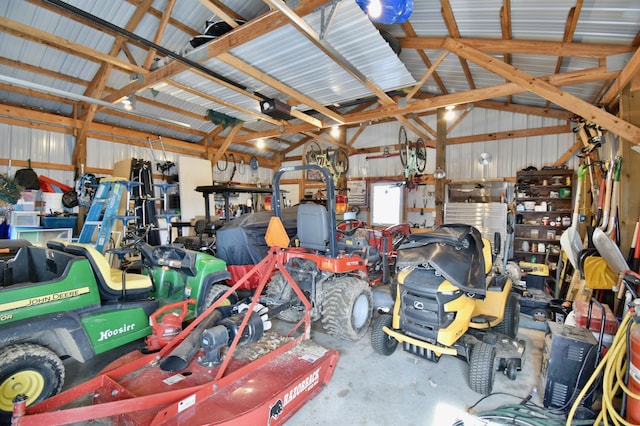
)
(103, 212)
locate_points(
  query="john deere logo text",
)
(109, 333)
(45, 298)
(53, 297)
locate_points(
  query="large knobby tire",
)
(28, 369)
(511, 321)
(482, 369)
(279, 289)
(216, 292)
(381, 342)
(347, 307)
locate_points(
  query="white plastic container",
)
(52, 202)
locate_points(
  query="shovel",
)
(612, 227)
(570, 240)
(607, 195)
(607, 247)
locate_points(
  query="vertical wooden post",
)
(629, 209)
(441, 161)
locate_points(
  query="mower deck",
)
(264, 382)
(268, 390)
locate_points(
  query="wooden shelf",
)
(530, 225)
(546, 212)
(538, 193)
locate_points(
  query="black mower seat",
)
(313, 226)
(114, 284)
(455, 251)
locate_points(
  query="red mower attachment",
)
(226, 368)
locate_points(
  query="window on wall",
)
(386, 199)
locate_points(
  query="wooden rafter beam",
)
(523, 47)
(297, 96)
(222, 11)
(243, 34)
(409, 31)
(357, 134)
(568, 154)
(228, 141)
(569, 30)
(164, 21)
(222, 102)
(426, 127)
(425, 77)
(38, 36)
(547, 91)
(559, 114)
(452, 26)
(511, 134)
(626, 75)
(505, 26)
(490, 92)
(97, 86)
(460, 118)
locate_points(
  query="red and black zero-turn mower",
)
(227, 367)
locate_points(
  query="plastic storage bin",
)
(21, 218)
(59, 222)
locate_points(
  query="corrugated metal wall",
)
(23, 143)
(43, 146)
(508, 155)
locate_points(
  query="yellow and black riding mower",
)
(450, 300)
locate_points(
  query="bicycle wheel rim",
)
(223, 162)
(311, 152)
(404, 145)
(341, 161)
(421, 154)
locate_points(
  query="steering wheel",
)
(348, 227)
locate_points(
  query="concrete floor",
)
(402, 389)
(372, 389)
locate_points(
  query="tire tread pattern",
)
(31, 355)
(381, 342)
(337, 305)
(482, 368)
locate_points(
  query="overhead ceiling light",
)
(260, 144)
(374, 9)
(128, 102)
(335, 131)
(387, 11)
(485, 158)
(450, 114)
(439, 173)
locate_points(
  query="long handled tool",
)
(163, 166)
(612, 226)
(570, 240)
(607, 195)
(608, 248)
(631, 258)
